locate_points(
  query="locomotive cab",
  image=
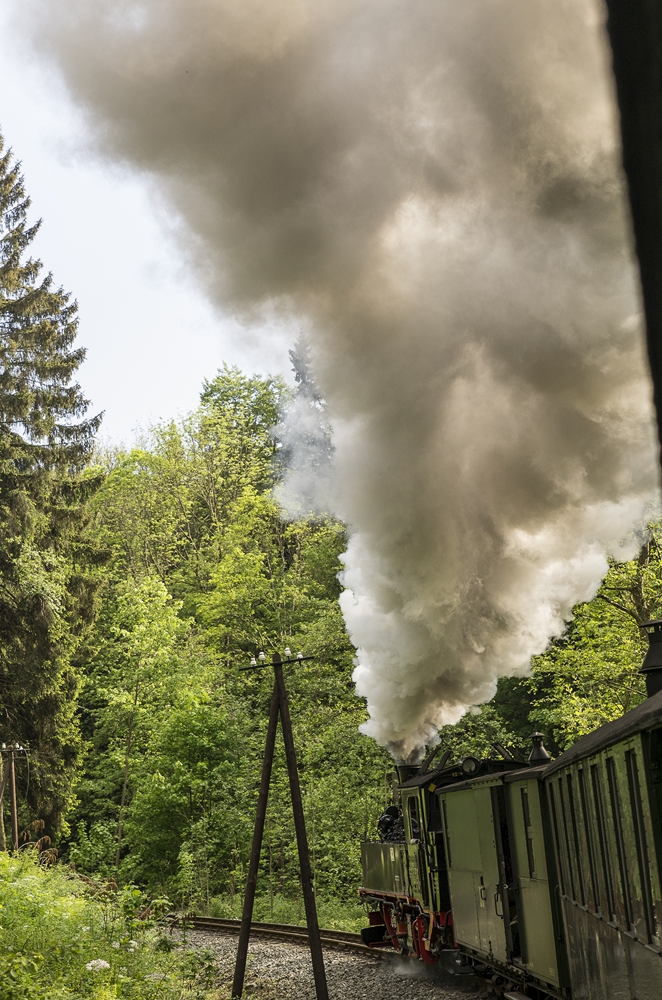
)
(405, 874)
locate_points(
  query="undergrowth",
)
(63, 937)
(333, 914)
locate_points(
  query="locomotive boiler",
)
(542, 876)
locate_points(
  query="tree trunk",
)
(125, 783)
(3, 836)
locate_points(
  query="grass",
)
(66, 938)
(332, 914)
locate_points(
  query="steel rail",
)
(289, 932)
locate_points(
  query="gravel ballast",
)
(280, 971)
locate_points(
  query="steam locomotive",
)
(544, 876)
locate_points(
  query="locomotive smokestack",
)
(652, 665)
(407, 771)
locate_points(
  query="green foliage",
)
(333, 914)
(164, 507)
(47, 594)
(65, 939)
(174, 733)
(590, 676)
(200, 570)
(587, 677)
(94, 851)
(476, 733)
(204, 572)
(133, 671)
(513, 703)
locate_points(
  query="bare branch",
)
(620, 607)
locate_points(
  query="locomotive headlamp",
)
(469, 765)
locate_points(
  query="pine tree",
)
(306, 456)
(46, 594)
(302, 366)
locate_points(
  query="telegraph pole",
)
(12, 799)
(9, 777)
(319, 972)
(253, 864)
(279, 705)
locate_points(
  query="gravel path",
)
(279, 971)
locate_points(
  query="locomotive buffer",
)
(279, 705)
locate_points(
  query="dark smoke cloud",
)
(432, 189)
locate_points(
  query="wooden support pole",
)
(253, 864)
(319, 972)
(14, 805)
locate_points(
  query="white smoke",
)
(308, 486)
(432, 189)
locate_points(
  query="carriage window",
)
(566, 841)
(575, 838)
(593, 902)
(559, 848)
(528, 831)
(602, 838)
(434, 812)
(615, 800)
(640, 838)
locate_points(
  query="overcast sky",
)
(150, 333)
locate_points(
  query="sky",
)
(151, 334)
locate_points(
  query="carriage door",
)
(473, 870)
(493, 907)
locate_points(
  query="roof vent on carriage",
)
(652, 665)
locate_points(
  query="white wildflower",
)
(156, 975)
(97, 964)
(116, 944)
(133, 944)
(84, 929)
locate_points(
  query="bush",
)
(66, 938)
(332, 914)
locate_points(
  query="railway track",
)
(287, 932)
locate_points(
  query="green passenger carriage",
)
(542, 877)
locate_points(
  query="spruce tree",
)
(306, 456)
(46, 593)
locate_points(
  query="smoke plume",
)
(432, 189)
(308, 485)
